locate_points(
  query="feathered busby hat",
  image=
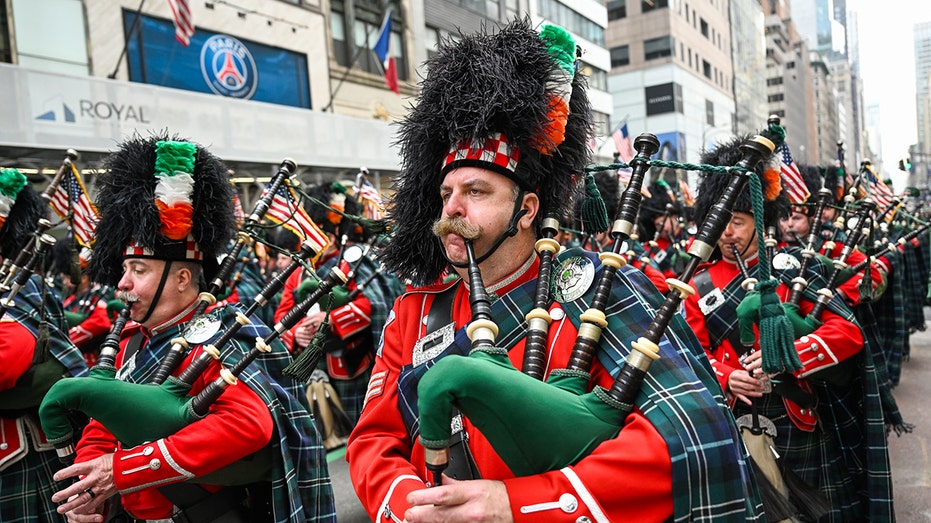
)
(69, 257)
(164, 198)
(711, 186)
(333, 200)
(509, 102)
(20, 210)
(813, 182)
(661, 198)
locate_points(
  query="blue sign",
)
(215, 63)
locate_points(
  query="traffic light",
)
(905, 165)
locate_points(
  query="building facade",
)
(671, 72)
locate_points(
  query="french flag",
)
(382, 49)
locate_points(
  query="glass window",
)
(704, 28)
(601, 121)
(657, 47)
(617, 9)
(620, 56)
(432, 41)
(706, 69)
(649, 5)
(573, 21)
(364, 30)
(597, 78)
(709, 112)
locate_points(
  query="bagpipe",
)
(16, 272)
(137, 412)
(563, 422)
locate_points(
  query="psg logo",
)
(228, 67)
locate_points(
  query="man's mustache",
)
(127, 297)
(458, 226)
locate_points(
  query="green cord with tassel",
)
(594, 213)
(776, 333)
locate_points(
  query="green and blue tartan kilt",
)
(890, 319)
(26, 488)
(814, 457)
(915, 290)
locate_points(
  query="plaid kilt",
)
(301, 488)
(915, 290)
(26, 488)
(890, 319)
(351, 393)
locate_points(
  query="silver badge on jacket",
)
(572, 278)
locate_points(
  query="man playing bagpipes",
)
(353, 327)
(85, 304)
(166, 214)
(660, 226)
(802, 221)
(35, 353)
(333, 225)
(485, 156)
(827, 415)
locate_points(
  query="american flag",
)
(285, 211)
(372, 206)
(879, 191)
(622, 142)
(184, 24)
(792, 179)
(85, 217)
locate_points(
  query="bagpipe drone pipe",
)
(138, 412)
(558, 422)
(16, 271)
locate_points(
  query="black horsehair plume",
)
(126, 200)
(482, 84)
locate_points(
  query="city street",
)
(910, 454)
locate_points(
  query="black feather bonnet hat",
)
(332, 197)
(509, 102)
(164, 198)
(711, 186)
(20, 210)
(662, 198)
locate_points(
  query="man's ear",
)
(531, 203)
(184, 278)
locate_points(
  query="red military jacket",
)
(237, 425)
(16, 353)
(834, 341)
(627, 478)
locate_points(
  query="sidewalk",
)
(909, 454)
